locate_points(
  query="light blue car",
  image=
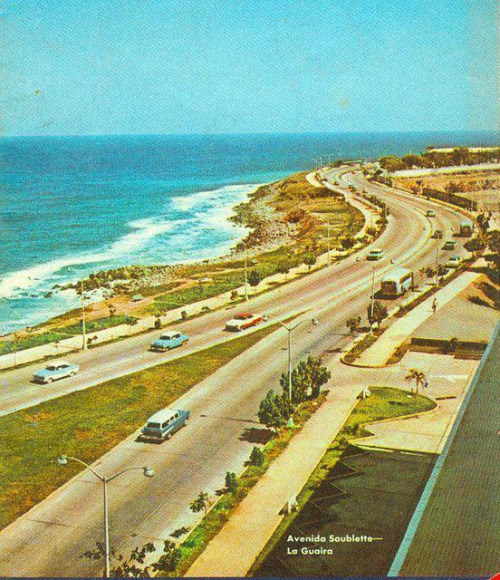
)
(163, 424)
(169, 340)
(54, 371)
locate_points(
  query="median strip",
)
(89, 423)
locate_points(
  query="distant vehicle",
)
(453, 262)
(56, 370)
(466, 228)
(376, 254)
(163, 424)
(397, 282)
(169, 340)
(430, 213)
(242, 321)
(449, 245)
(438, 234)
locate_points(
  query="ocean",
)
(70, 206)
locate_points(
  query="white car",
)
(242, 321)
(375, 254)
(56, 370)
(453, 262)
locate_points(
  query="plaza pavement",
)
(379, 353)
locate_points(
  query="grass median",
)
(89, 423)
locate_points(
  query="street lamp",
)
(372, 300)
(328, 238)
(437, 264)
(290, 329)
(246, 269)
(84, 337)
(147, 472)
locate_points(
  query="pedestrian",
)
(434, 305)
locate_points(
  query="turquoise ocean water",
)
(73, 205)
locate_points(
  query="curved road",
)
(47, 540)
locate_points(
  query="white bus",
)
(397, 282)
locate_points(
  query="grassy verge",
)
(384, 403)
(367, 341)
(89, 423)
(62, 332)
(213, 522)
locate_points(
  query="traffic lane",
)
(130, 359)
(136, 353)
(105, 361)
(212, 442)
(220, 419)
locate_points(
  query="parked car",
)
(453, 262)
(242, 321)
(430, 213)
(169, 340)
(449, 245)
(163, 424)
(438, 234)
(375, 254)
(56, 370)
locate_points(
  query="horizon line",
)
(281, 133)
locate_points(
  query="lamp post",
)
(147, 471)
(328, 238)
(437, 264)
(372, 300)
(84, 338)
(290, 329)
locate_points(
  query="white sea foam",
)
(143, 230)
(226, 195)
(215, 206)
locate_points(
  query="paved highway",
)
(17, 391)
(47, 540)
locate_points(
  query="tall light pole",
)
(437, 264)
(372, 300)
(84, 338)
(290, 329)
(328, 238)
(246, 271)
(147, 471)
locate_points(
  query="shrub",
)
(254, 278)
(347, 243)
(231, 482)
(257, 457)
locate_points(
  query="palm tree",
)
(419, 378)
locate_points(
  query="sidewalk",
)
(379, 353)
(234, 549)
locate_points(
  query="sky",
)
(77, 67)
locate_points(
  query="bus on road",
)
(397, 282)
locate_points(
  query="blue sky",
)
(247, 66)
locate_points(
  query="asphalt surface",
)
(18, 391)
(47, 540)
(457, 530)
